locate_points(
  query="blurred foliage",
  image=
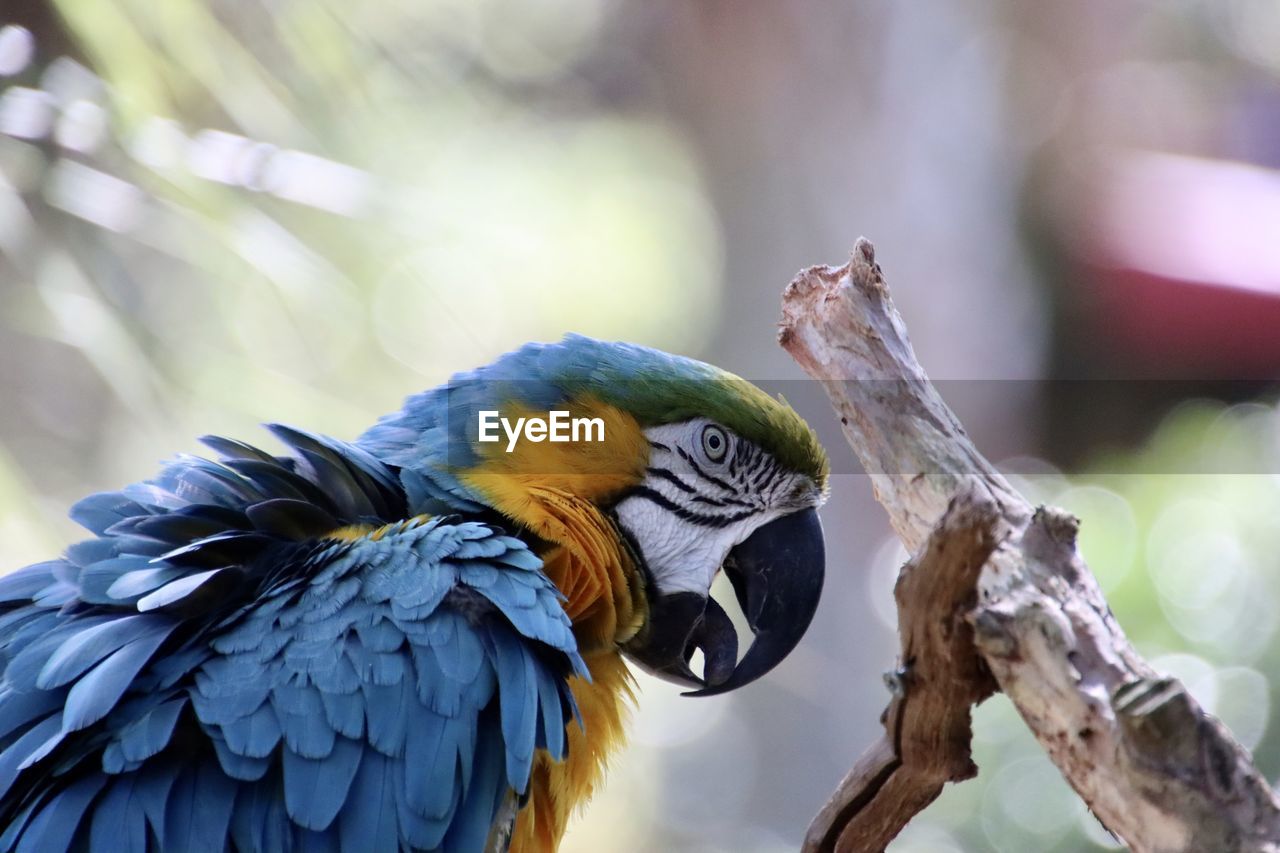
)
(1189, 560)
(313, 208)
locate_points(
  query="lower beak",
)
(777, 576)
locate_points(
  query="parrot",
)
(417, 640)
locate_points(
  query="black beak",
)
(777, 576)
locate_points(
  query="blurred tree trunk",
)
(998, 597)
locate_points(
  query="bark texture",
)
(997, 597)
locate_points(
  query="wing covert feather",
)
(212, 671)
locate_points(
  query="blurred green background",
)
(219, 213)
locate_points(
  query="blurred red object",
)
(1186, 266)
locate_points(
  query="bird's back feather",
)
(267, 653)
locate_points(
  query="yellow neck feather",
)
(557, 789)
(554, 491)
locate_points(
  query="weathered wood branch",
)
(927, 723)
(1157, 770)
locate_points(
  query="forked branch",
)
(1157, 770)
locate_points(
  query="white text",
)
(557, 426)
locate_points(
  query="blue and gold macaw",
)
(415, 641)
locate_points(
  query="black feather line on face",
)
(720, 502)
(764, 477)
(710, 478)
(674, 480)
(661, 500)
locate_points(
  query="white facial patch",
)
(681, 556)
(696, 502)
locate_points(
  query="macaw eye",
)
(715, 443)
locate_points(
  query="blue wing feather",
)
(120, 821)
(16, 753)
(21, 585)
(98, 512)
(100, 582)
(19, 822)
(519, 705)
(254, 736)
(259, 823)
(368, 818)
(52, 829)
(301, 713)
(18, 709)
(198, 812)
(86, 647)
(149, 734)
(25, 666)
(246, 768)
(152, 787)
(345, 712)
(210, 670)
(91, 697)
(483, 797)
(315, 789)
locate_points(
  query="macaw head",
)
(717, 496)
(688, 470)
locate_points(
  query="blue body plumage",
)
(364, 647)
(264, 624)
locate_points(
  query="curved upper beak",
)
(777, 575)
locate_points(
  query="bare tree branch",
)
(1157, 770)
(927, 723)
